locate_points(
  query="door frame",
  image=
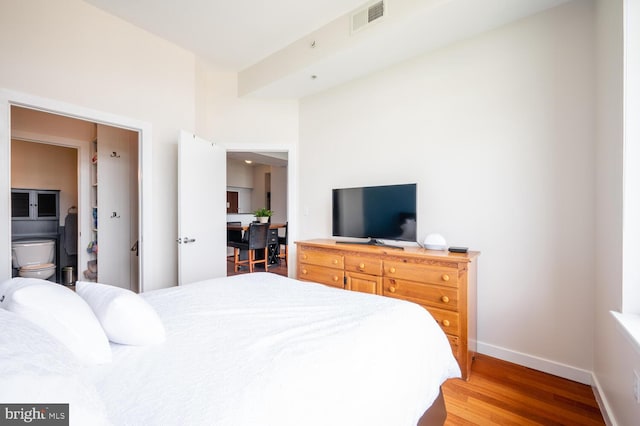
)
(10, 98)
(82, 170)
(292, 188)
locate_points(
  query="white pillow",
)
(39, 369)
(61, 313)
(125, 316)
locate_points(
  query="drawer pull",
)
(304, 256)
(445, 277)
(361, 266)
(392, 270)
(392, 289)
(304, 272)
(335, 278)
(446, 323)
(444, 299)
(335, 261)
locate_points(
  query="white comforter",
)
(260, 349)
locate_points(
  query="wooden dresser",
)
(444, 283)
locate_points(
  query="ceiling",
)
(275, 159)
(256, 37)
(229, 34)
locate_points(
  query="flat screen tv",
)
(375, 212)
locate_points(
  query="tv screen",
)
(376, 212)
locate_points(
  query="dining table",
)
(245, 227)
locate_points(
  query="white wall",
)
(498, 132)
(43, 166)
(258, 125)
(239, 174)
(279, 193)
(244, 198)
(72, 52)
(259, 193)
(240, 180)
(228, 119)
(614, 356)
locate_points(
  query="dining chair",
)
(284, 241)
(256, 240)
(232, 234)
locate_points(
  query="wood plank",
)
(499, 392)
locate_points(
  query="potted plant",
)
(263, 214)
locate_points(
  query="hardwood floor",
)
(502, 393)
(280, 269)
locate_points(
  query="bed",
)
(252, 349)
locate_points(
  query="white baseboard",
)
(552, 367)
(557, 369)
(605, 408)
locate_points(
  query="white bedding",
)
(262, 350)
(37, 368)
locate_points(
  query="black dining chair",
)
(284, 241)
(256, 240)
(234, 235)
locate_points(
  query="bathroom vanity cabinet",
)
(35, 204)
(34, 213)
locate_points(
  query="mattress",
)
(250, 350)
(261, 349)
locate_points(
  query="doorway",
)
(232, 201)
(8, 100)
(261, 177)
(102, 154)
(44, 200)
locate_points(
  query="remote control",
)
(458, 249)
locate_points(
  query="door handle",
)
(185, 240)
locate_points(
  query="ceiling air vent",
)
(367, 15)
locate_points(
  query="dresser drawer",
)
(423, 294)
(321, 274)
(454, 341)
(364, 265)
(421, 273)
(321, 258)
(449, 321)
(364, 283)
(442, 283)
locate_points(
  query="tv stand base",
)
(372, 242)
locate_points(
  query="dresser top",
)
(411, 251)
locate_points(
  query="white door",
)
(202, 232)
(115, 213)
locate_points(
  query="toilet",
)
(33, 258)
